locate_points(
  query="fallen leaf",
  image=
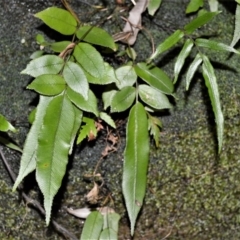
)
(84, 212)
(99, 126)
(92, 196)
(106, 150)
(113, 139)
(80, 213)
(133, 23)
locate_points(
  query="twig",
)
(68, 7)
(29, 201)
(168, 234)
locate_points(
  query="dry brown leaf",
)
(99, 126)
(91, 136)
(106, 150)
(92, 196)
(113, 139)
(133, 24)
(120, 2)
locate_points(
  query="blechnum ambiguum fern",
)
(68, 110)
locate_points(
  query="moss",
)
(18, 222)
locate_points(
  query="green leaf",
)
(77, 123)
(54, 143)
(40, 39)
(28, 159)
(76, 79)
(202, 42)
(213, 5)
(153, 6)
(168, 43)
(236, 35)
(211, 83)
(48, 84)
(47, 64)
(32, 115)
(153, 97)
(187, 47)
(87, 129)
(108, 234)
(136, 157)
(59, 46)
(126, 76)
(149, 109)
(192, 69)
(96, 35)
(89, 105)
(9, 144)
(194, 5)
(155, 77)
(199, 21)
(36, 54)
(90, 59)
(154, 125)
(107, 98)
(109, 76)
(111, 220)
(131, 53)
(106, 118)
(59, 20)
(5, 125)
(123, 99)
(238, 1)
(93, 226)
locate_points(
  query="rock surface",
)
(192, 193)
